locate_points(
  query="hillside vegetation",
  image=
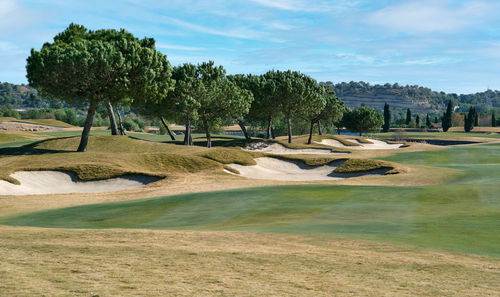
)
(417, 98)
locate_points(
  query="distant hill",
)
(418, 99)
(23, 96)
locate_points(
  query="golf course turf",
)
(462, 215)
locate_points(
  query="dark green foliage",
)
(8, 111)
(417, 121)
(88, 67)
(363, 119)
(428, 123)
(408, 116)
(387, 118)
(493, 120)
(470, 119)
(447, 116)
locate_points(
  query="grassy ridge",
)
(463, 215)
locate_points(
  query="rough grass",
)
(107, 156)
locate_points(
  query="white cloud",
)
(240, 32)
(420, 17)
(304, 5)
(179, 47)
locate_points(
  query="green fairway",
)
(410, 135)
(462, 215)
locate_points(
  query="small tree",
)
(417, 121)
(447, 117)
(493, 119)
(387, 118)
(363, 119)
(428, 123)
(293, 90)
(408, 116)
(221, 101)
(325, 107)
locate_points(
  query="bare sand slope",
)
(276, 148)
(285, 170)
(56, 182)
(375, 145)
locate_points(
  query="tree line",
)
(115, 69)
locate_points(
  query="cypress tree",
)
(408, 116)
(417, 121)
(436, 120)
(428, 121)
(469, 119)
(387, 117)
(493, 120)
(476, 117)
(467, 122)
(447, 117)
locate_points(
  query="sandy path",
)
(284, 170)
(276, 148)
(56, 182)
(375, 145)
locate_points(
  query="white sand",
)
(276, 169)
(56, 182)
(375, 145)
(276, 148)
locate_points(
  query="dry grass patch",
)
(55, 262)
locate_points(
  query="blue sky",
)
(451, 46)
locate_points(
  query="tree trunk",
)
(338, 130)
(311, 132)
(86, 128)
(272, 133)
(244, 129)
(289, 122)
(120, 123)
(360, 133)
(207, 133)
(112, 120)
(269, 128)
(319, 128)
(168, 129)
(188, 140)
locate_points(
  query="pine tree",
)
(447, 117)
(408, 116)
(387, 118)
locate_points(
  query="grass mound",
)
(363, 165)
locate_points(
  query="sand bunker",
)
(276, 169)
(375, 145)
(56, 182)
(279, 149)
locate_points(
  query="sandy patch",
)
(276, 148)
(30, 127)
(375, 145)
(56, 182)
(285, 170)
